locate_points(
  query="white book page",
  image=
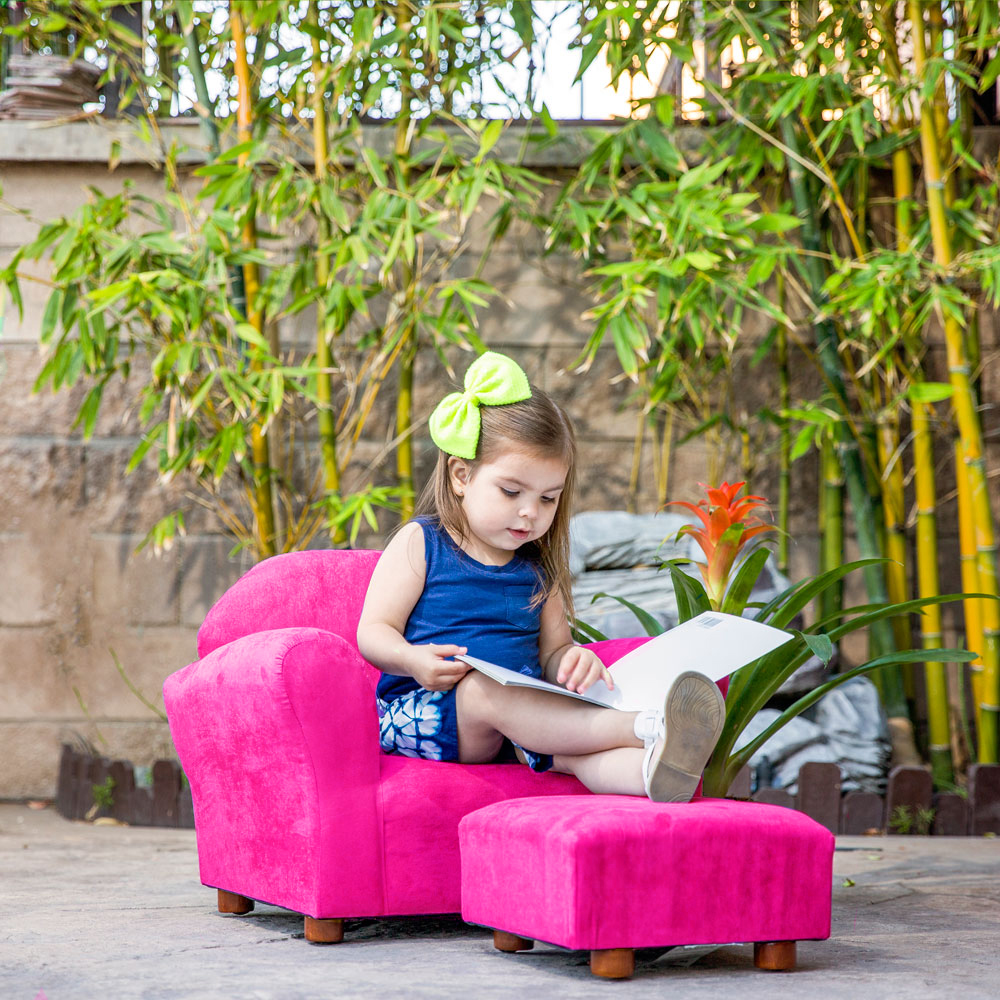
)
(713, 644)
(515, 679)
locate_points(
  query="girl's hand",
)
(431, 667)
(579, 668)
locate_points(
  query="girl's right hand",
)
(431, 667)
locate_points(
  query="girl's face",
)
(507, 501)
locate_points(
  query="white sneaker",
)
(693, 713)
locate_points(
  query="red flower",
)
(728, 526)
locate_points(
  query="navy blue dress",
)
(467, 603)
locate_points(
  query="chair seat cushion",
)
(616, 871)
(422, 802)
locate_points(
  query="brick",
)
(984, 799)
(36, 676)
(207, 572)
(740, 788)
(166, 788)
(909, 789)
(862, 812)
(131, 588)
(819, 793)
(26, 597)
(147, 655)
(774, 797)
(951, 815)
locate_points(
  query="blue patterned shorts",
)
(424, 724)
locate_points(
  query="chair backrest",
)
(321, 588)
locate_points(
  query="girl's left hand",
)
(579, 668)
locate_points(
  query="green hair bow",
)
(492, 380)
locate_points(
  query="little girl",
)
(484, 567)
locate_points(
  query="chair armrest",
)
(277, 733)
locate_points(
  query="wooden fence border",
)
(910, 805)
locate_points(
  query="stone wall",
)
(73, 589)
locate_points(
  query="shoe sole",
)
(694, 712)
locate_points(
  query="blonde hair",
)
(539, 427)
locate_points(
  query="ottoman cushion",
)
(616, 871)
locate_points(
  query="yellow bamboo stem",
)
(970, 430)
(972, 607)
(263, 498)
(928, 585)
(326, 422)
(894, 513)
(404, 399)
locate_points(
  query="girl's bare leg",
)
(542, 722)
(609, 772)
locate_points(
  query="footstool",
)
(611, 873)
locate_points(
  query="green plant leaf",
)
(820, 645)
(743, 755)
(739, 590)
(929, 392)
(646, 620)
(689, 593)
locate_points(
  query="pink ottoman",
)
(612, 873)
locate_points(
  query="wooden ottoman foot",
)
(613, 963)
(324, 931)
(233, 902)
(774, 956)
(503, 941)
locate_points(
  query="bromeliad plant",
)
(728, 523)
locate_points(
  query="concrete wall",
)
(71, 586)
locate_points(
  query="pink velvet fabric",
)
(276, 729)
(617, 871)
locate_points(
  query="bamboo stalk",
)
(210, 130)
(831, 599)
(404, 398)
(939, 715)
(938, 721)
(848, 449)
(894, 513)
(974, 638)
(263, 497)
(785, 438)
(325, 419)
(967, 416)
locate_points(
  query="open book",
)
(713, 643)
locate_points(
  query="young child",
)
(484, 567)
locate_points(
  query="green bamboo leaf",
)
(489, 137)
(51, 315)
(87, 415)
(251, 335)
(929, 392)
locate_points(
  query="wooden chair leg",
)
(613, 963)
(233, 902)
(325, 931)
(774, 956)
(503, 941)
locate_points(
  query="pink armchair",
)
(276, 729)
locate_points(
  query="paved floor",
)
(88, 912)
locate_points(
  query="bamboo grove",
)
(812, 216)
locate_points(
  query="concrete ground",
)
(88, 912)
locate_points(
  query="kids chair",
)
(276, 728)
